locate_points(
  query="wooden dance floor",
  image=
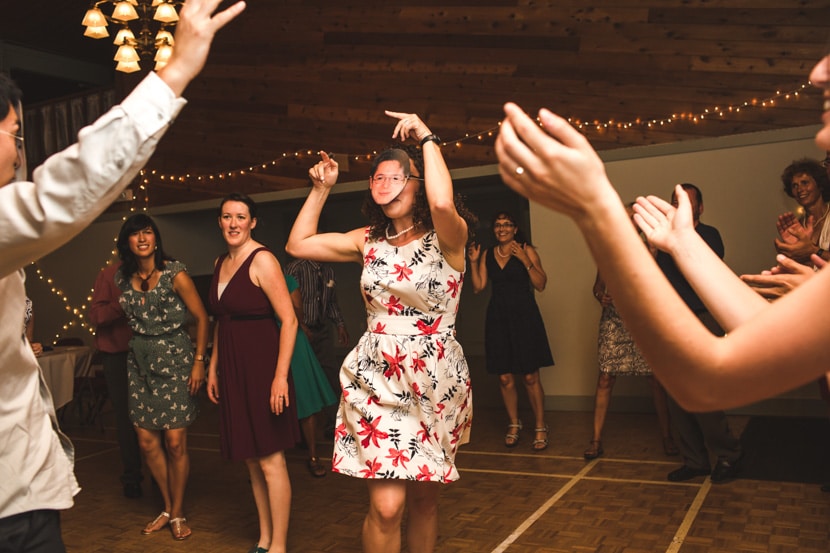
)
(508, 500)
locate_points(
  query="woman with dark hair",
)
(406, 404)
(808, 232)
(164, 373)
(515, 340)
(249, 369)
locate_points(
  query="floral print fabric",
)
(407, 400)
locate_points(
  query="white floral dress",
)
(407, 401)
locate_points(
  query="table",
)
(60, 367)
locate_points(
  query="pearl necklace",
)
(401, 233)
(497, 249)
(145, 282)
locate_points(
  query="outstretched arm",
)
(560, 170)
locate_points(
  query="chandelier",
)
(154, 19)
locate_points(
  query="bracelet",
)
(431, 138)
(820, 252)
(199, 358)
(529, 267)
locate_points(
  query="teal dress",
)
(161, 354)
(312, 389)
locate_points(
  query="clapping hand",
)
(662, 224)
(782, 278)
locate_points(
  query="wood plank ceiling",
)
(291, 77)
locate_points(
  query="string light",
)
(713, 112)
(146, 176)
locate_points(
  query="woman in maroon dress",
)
(249, 368)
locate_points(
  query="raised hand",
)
(474, 252)
(325, 172)
(409, 126)
(661, 223)
(194, 33)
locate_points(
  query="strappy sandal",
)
(257, 549)
(511, 439)
(179, 528)
(594, 450)
(540, 444)
(157, 523)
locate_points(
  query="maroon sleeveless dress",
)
(248, 343)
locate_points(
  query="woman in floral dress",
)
(406, 404)
(164, 372)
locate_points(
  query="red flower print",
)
(453, 286)
(340, 431)
(394, 306)
(372, 468)
(372, 399)
(423, 433)
(402, 271)
(418, 364)
(371, 433)
(379, 329)
(439, 408)
(426, 328)
(370, 256)
(394, 368)
(398, 456)
(335, 461)
(425, 474)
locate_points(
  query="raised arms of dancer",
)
(703, 372)
(450, 227)
(303, 241)
(478, 269)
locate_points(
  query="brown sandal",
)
(157, 523)
(179, 528)
(316, 468)
(511, 439)
(594, 450)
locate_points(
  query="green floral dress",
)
(161, 354)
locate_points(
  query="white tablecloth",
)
(60, 367)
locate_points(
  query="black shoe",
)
(725, 471)
(685, 473)
(132, 490)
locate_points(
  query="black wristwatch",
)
(431, 138)
(820, 252)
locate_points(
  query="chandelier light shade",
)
(144, 30)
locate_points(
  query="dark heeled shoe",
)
(594, 450)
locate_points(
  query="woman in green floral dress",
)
(164, 372)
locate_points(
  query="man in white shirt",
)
(67, 192)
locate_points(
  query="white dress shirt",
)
(68, 191)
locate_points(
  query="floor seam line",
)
(529, 521)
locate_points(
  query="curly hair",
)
(129, 264)
(421, 215)
(810, 167)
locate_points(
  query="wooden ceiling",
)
(292, 77)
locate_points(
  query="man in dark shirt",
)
(698, 434)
